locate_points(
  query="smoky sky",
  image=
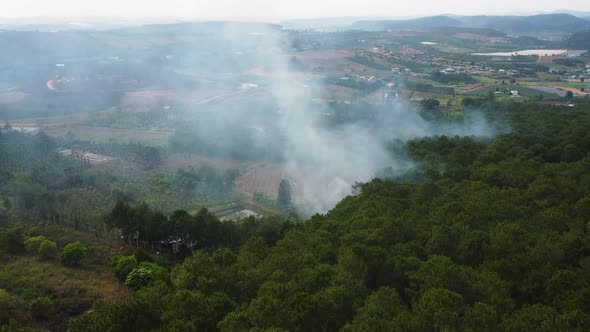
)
(274, 9)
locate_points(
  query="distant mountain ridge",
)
(519, 25)
(411, 24)
(578, 13)
(204, 27)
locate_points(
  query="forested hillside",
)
(181, 174)
(580, 39)
(485, 236)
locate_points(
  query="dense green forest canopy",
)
(481, 235)
(488, 236)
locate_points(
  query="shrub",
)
(41, 307)
(123, 265)
(48, 249)
(11, 241)
(6, 305)
(430, 104)
(144, 274)
(32, 244)
(74, 300)
(142, 255)
(73, 253)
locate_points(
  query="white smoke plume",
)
(324, 163)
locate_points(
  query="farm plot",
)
(262, 179)
(105, 134)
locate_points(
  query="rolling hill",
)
(519, 25)
(424, 23)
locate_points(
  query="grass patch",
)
(72, 290)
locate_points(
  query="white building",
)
(248, 86)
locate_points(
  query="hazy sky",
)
(274, 9)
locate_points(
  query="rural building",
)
(240, 211)
(22, 129)
(555, 103)
(248, 86)
(86, 157)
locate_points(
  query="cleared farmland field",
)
(104, 134)
(256, 177)
(176, 161)
(262, 179)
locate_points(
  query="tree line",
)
(142, 226)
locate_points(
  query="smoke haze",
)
(238, 92)
(324, 162)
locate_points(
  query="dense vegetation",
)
(142, 226)
(485, 236)
(452, 78)
(422, 87)
(580, 39)
(361, 85)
